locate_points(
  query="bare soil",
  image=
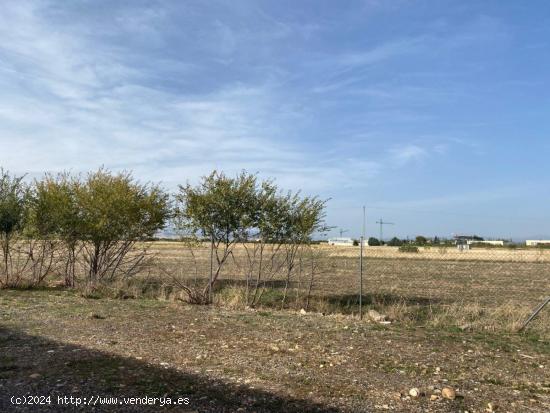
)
(55, 342)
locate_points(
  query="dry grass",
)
(484, 290)
(503, 254)
(493, 290)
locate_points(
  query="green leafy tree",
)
(114, 213)
(14, 195)
(271, 235)
(373, 242)
(305, 216)
(56, 214)
(229, 211)
(421, 240)
(395, 242)
(221, 209)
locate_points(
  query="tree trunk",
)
(6, 253)
(94, 267)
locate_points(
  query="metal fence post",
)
(211, 269)
(361, 280)
(535, 313)
(361, 268)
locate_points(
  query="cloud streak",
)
(174, 90)
(73, 102)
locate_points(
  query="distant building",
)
(340, 241)
(462, 242)
(535, 242)
(495, 242)
(463, 247)
(466, 239)
(474, 239)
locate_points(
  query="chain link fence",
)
(493, 286)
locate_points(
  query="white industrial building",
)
(340, 241)
(535, 242)
(495, 242)
(474, 239)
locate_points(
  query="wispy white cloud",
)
(346, 69)
(77, 98)
(401, 155)
(72, 103)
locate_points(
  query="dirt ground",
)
(54, 342)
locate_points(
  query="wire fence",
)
(327, 278)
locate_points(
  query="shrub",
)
(408, 248)
(228, 211)
(115, 212)
(395, 242)
(373, 242)
(421, 240)
(14, 195)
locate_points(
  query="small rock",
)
(95, 316)
(35, 375)
(414, 392)
(302, 311)
(448, 393)
(376, 316)
(491, 407)
(434, 397)
(274, 348)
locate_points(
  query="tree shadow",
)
(223, 283)
(32, 365)
(382, 299)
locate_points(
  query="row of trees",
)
(234, 211)
(90, 228)
(66, 223)
(396, 242)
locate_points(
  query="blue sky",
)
(434, 114)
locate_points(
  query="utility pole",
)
(382, 223)
(342, 231)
